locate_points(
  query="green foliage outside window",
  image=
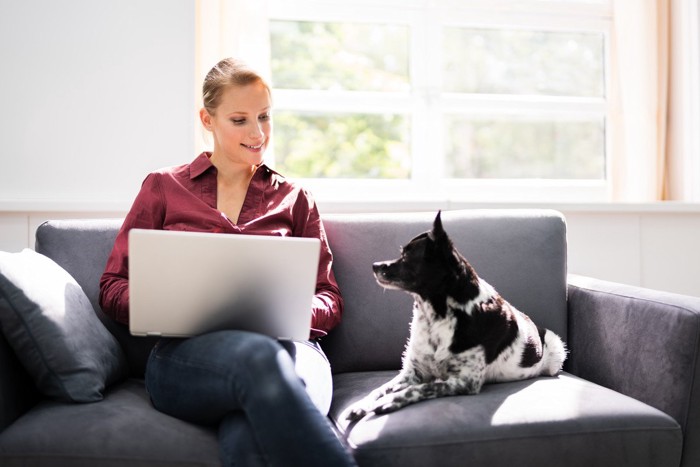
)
(524, 149)
(347, 57)
(339, 56)
(341, 146)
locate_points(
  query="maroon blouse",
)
(184, 198)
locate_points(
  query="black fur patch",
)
(532, 353)
(491, 324)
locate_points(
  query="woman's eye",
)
(265, 117)
(238, 121)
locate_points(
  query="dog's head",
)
(429, 265)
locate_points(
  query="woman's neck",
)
(232, 182)
(231, 174)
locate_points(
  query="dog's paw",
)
(356, 413)
(389, 403)
(384, 399)
(368, 406)
(361, 408)
(394, 388)
(359, 411)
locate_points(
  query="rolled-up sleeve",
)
(147, 212)
(327, 302)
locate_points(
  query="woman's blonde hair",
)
(228, 72)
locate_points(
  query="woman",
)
(245, 382)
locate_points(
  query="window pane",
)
(339, 56)
(524, 149)
(317, 145)
(503, 61)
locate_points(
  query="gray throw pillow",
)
(49, 322)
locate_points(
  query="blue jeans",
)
(247, 383)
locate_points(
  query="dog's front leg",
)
(405, 379)
(423, 391)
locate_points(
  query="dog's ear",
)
(443, 243)
(438, 231)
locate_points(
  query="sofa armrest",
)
(642, 343)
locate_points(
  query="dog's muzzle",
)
(382, 272)
(381, 268)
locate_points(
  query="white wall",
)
(655, 248)
(94, 94)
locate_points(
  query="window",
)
(449, 100)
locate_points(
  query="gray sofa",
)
(629, 396)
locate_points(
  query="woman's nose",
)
(256, 131)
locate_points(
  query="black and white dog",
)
(463, 333)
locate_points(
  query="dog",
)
(463, 333)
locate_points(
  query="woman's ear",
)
(205, 118)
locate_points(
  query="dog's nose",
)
(380, 267)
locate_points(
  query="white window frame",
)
(425, 103)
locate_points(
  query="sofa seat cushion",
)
(562, 420)
(121, 429)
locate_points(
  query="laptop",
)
(182, 284)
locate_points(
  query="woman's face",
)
(241, 125)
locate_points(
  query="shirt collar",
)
(202, 164)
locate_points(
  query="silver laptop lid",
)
(186, 283)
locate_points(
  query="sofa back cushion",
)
(522, 253)
(82, 247)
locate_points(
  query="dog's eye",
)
(407, 251)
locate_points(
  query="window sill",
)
(385, 204)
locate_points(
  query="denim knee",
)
(269, 367)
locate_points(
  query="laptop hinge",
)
(153, 334)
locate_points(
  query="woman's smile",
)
(254, 148)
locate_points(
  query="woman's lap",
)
(213, 365)
(270, 398)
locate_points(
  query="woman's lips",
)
(253, 148)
